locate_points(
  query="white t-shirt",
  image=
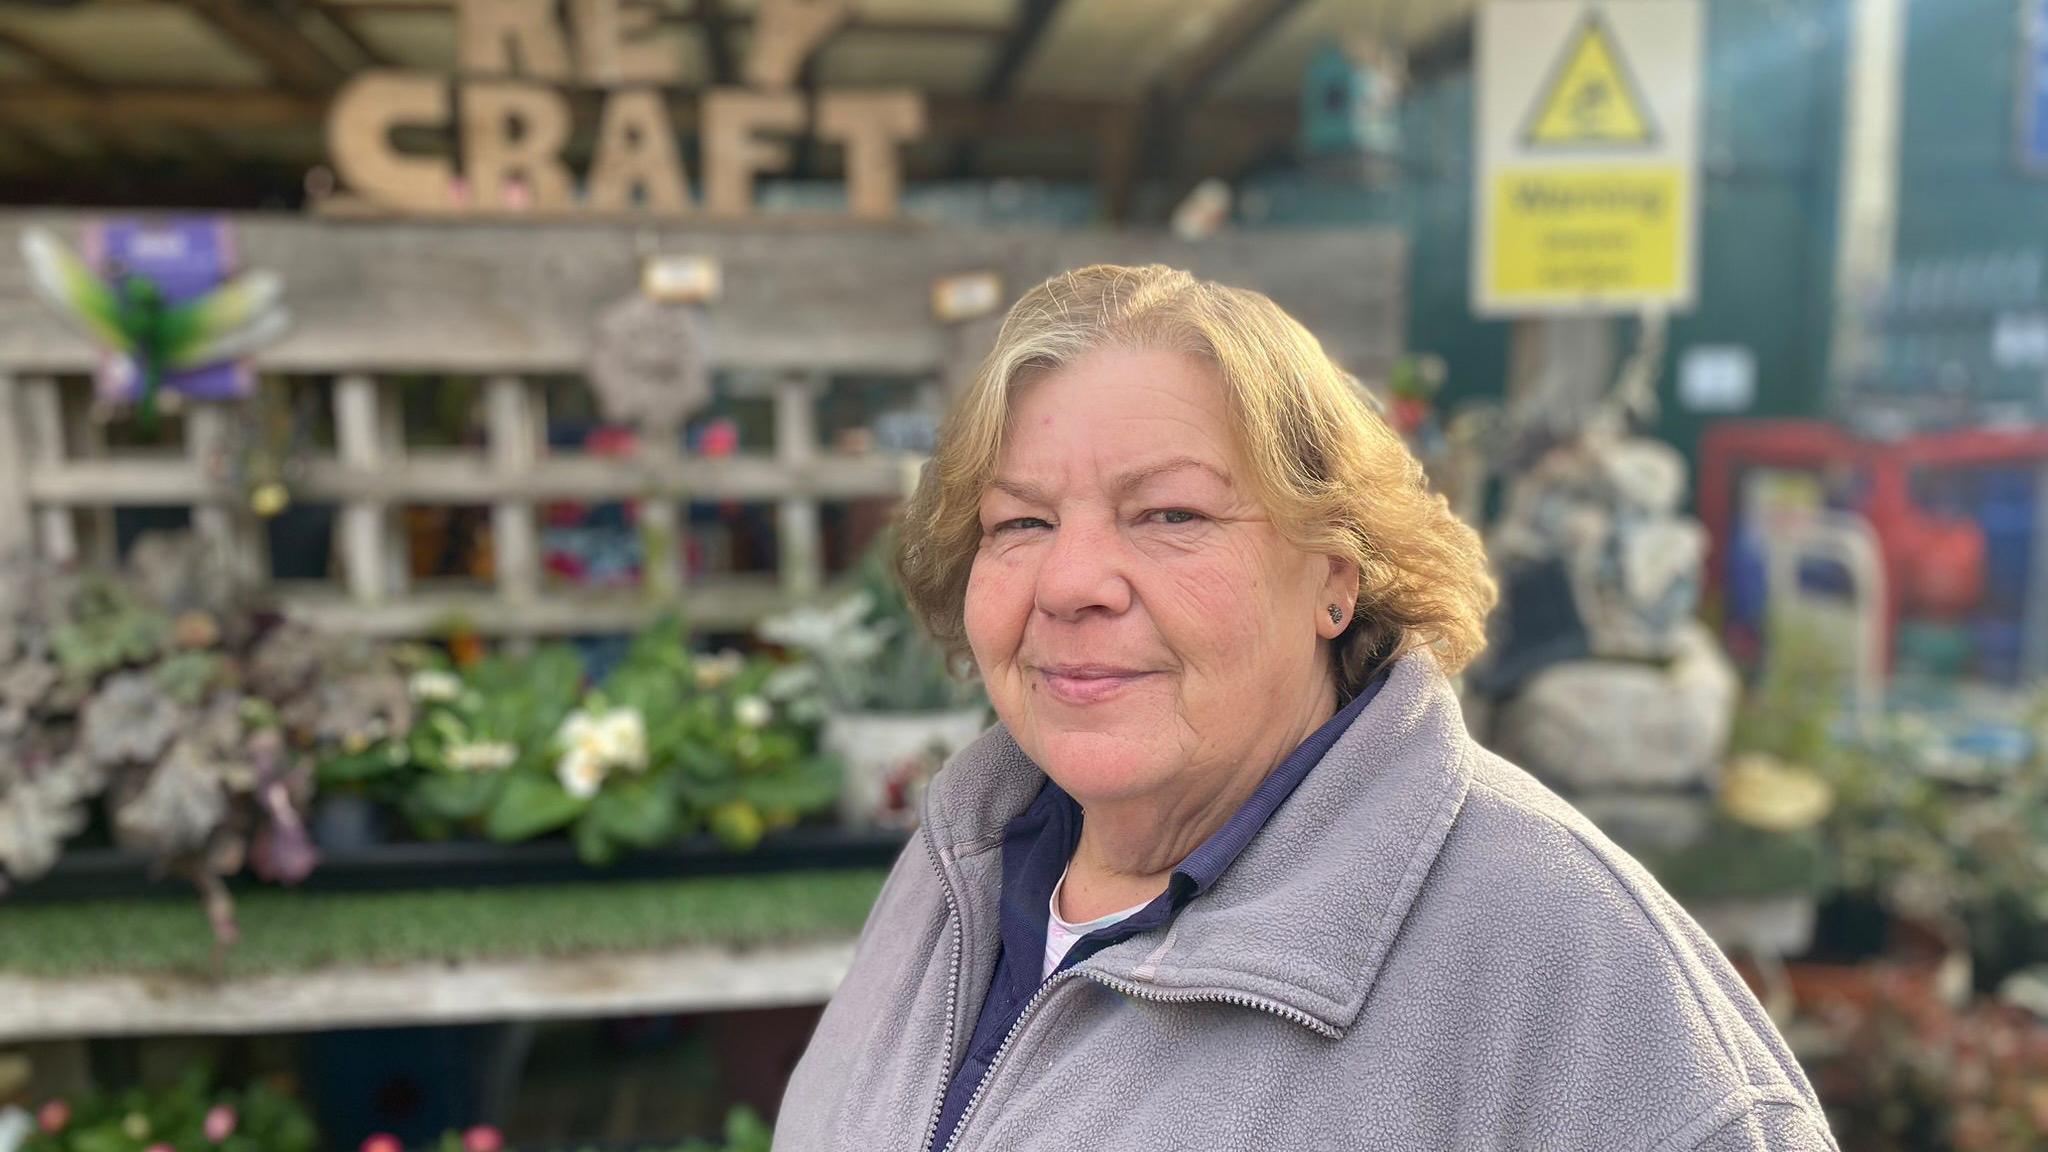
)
(1061, 935)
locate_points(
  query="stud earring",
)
(1336, 614)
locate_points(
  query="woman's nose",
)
(1084, 571)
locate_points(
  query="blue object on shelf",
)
(1997, 644)
(1747, 581)
(2006, 511)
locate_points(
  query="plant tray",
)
(106, 873)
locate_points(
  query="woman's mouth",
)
(1088, 683)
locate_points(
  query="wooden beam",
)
(1117, 163)
(1032, 21)
(24, 141)
(227, 108)
(119, 140)
(1188, 81)
(293, 60)
(337, 18)
(53, 66)
(219, 107)
(937, 27)
(863, 290)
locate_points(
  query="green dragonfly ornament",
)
(129, 315)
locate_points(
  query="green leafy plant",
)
(1911, 1073)
(108, 627)
(1915, 825)
(189, 1116)
(670, 743)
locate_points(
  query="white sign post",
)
(1587, 188)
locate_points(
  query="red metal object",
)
(1932, 564)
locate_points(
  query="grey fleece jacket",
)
(1424, 949)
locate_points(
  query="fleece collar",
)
(1305, 916)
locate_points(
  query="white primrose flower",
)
(625, 739)
(752, 712)
(482, 756)
(616, 738)
(582, 733)
(580, 773)
(434, 686)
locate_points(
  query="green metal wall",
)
(1770, 153)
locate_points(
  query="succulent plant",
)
(24, 684)
(332, 690)
(104, 626)
(353, 711)
(285, 662)
(42, 804)
(130, 721)
(177, 574)
(179, 805)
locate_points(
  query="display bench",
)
(697, 978)
(308, 960)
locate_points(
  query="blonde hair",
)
(1331, 473)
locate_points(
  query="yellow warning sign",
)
(1586, 195)
(1585, 235)
(1590, 99)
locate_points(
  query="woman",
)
(1229, 873)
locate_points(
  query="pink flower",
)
(220, 1123)
(483, 1138)
(720, 437)
(382, 1142)
(159, 1147)
(53, 1116)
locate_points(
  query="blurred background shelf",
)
(687, 978)
(107, 873)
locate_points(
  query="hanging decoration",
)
(648, 365)
(1351, 109)
(165, 302)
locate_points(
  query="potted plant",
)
(894, 707)
(188, 1116)
(670, 743)
(139, 694)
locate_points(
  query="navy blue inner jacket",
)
(1036, 848)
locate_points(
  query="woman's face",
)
(1141, 624)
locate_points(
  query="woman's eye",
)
(1020, 522)
(1176, 516)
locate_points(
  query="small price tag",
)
(680, 279)
(956, 298)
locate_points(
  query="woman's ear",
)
(1339, 602)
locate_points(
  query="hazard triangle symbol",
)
(1590, 100)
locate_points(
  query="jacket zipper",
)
(952, 982)
(1139, 992)
(996, 1060)
(1134, 991)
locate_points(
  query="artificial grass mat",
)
(283, 931)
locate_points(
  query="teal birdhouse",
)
(1351, 103)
